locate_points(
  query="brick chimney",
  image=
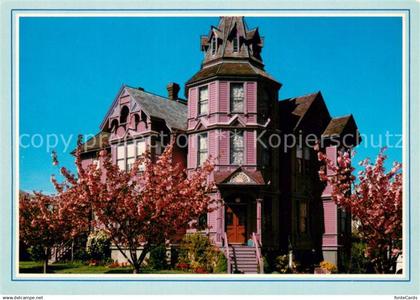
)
(173, 90)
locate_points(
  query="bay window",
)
(236, 97)
(237, 147)
(131, 156)
(127, 154)
(203, 100)
(202, 149)
(121, 157)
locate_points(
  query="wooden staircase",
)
(243, 259)
(61, 252)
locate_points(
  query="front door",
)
(235, 224)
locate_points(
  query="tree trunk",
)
(46, 261)
(136, 268)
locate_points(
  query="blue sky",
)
(72, 68)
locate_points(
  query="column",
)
(219, 221)
(259, 225)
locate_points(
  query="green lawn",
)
(82, 268)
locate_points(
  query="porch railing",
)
(257, 244)
(227, 252)
(61, 250)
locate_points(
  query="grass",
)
(77, 267)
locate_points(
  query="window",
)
(203, 101)
(124, 115)
(141, 148)
(96, 163)
(213, 46)
(131, 156)
(127, 154)
(202, 221)
(237, 147)
(237, 97)
(158, 148)
(299, 160)
(202, 148)
(306, 153)
(235, 44)
(299, 151)
(303, 217)
(121, 157)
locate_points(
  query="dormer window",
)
(213, 46)
(235, 44)
(236, 97)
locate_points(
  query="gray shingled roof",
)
(337, 126)
(230, 69)
(298, 106)
(174, 113)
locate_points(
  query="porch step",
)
(244, 259)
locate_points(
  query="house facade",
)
(264, 191)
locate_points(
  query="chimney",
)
(173, 90)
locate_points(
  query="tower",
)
(231, 104)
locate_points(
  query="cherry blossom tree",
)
(140, 208)
(374, 199)
(44, 221)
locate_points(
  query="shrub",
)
(182, 266)
(359, 263)
(98, 245)
(157, 259)
(200, 270)
(198, 251)
(328, 266)
(269, 259)
(221, 265)
(37, 253)
(81, 254)
(282, 264)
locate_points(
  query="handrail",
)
(227, 253)
(60, 249)
(258, 252)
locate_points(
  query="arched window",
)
(136, 120)
(143, 117)
(124, 115)
(114, 125)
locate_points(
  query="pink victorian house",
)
(269, 198)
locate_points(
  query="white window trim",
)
(199, 114)
(199, 149)
(125, 158)
(243, 147)
(244, 103)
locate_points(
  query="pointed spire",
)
(231, 40)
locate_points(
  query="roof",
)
(99, 141)
(298, 106)
(229, 27)
(337, 125)
(174, 113)
(230, 69)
